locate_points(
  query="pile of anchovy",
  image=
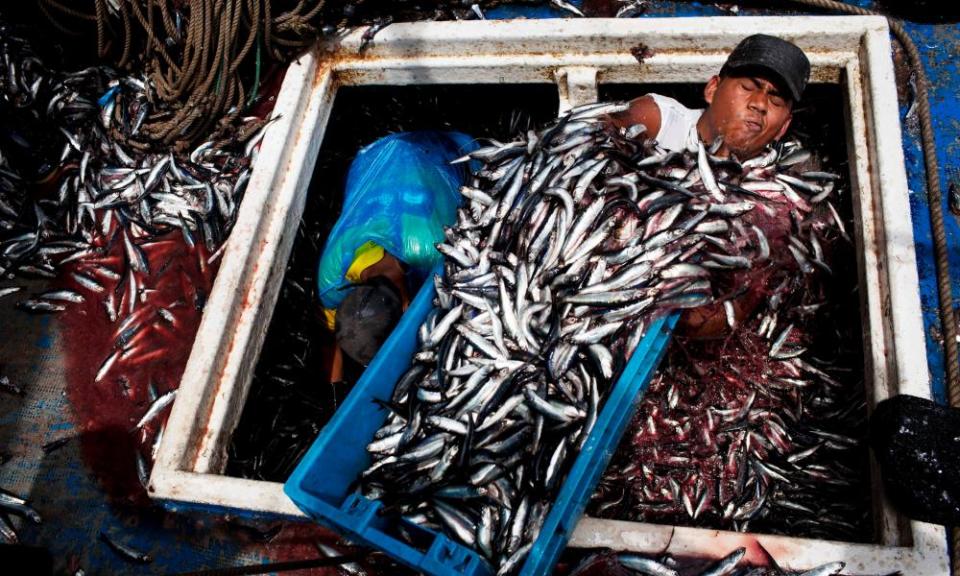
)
(626, 563)
(762, 430)
(568, 243)
(110, 192)
(338, 15)
(92, 209)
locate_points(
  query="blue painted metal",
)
(939, 46)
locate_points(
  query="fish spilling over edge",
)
(569, 241)
(111, 192)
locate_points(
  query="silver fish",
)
(155, 408)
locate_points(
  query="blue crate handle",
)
(323, 484)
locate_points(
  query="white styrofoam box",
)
(577, 55)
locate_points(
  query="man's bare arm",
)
(643, 110)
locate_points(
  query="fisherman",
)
(750, 102)
(749, 107)
(400, 193)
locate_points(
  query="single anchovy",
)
(10, 290)
(137, 259)
(40, 306)
(351, 568)
(156, 443)
(763, 247)
(645, 565)
(124, 551)
(802, 260)
(91, 284)
(780, 341)
(597, 334)
(510, 564)
(706, 174)
(727, 260)
(725, 565)
(731, 314)
(18, 506)
(555, 411)
(829, 569)
(795, 157)
(10, 387)
(7, 531)
(107, 365)
(143, 471)
(55, 445)
(63, 296)
(799, 183)
(838, 221)
(158, 405)
(567, 6)
(459, 525)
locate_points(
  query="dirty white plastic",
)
(576, 56)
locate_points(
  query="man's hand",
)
(709, 322)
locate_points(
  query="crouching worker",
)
(400, 193)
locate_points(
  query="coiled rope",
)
(195, 62)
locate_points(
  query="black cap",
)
(366, 317)
(784, 60)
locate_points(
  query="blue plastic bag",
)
(400, 193)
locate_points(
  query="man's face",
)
(748, 111)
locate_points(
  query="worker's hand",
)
(710, 322)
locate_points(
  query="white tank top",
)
(678, 125)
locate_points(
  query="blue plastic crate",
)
(323, 484)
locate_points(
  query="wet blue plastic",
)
(400, 192)
(323, 486)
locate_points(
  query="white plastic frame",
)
(577, 55)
